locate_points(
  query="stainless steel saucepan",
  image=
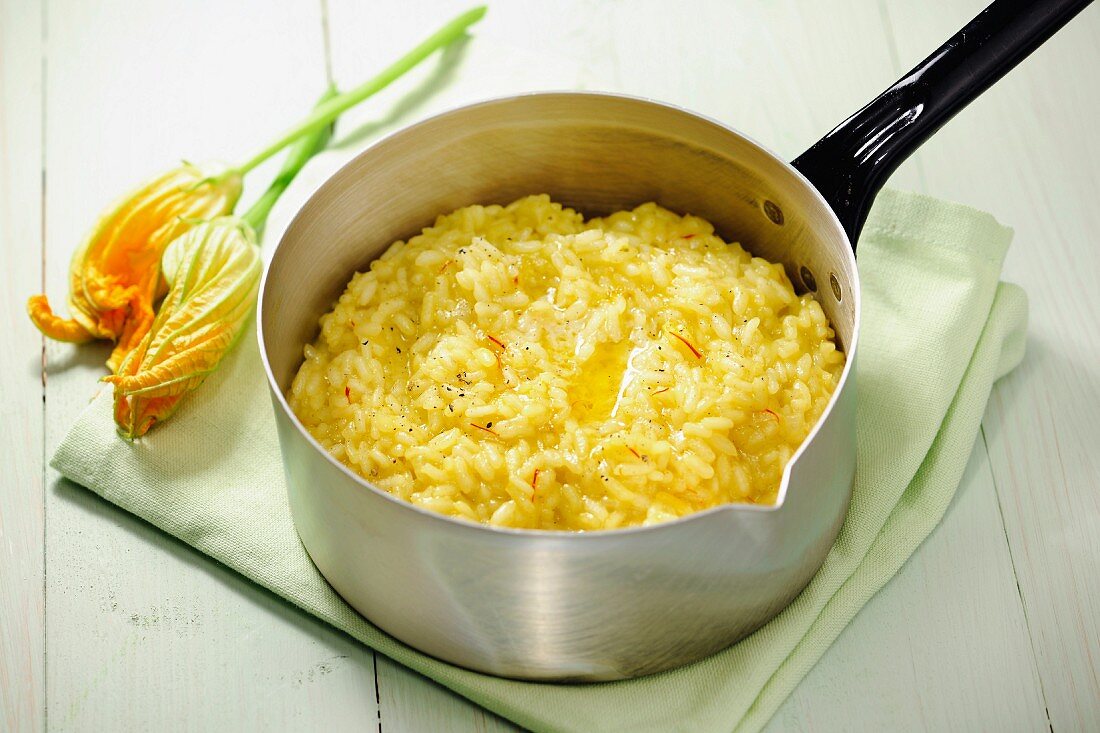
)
(620, 603)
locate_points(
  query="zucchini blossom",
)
(114, 276)
(213, 273)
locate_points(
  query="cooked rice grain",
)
(644, 368)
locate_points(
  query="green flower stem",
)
(299, 154)
(330, 110)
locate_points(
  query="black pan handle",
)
(850, 164)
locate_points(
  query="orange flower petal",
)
(57, 328)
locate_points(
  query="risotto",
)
(522, 367)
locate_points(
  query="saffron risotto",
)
(522, 367)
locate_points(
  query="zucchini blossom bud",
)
(213, 274)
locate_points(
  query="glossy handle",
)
(850, 164)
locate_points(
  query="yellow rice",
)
(522, 367)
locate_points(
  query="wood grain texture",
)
(22, 520)
(1028, 151)
(144, 633)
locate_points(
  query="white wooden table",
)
(106, 624)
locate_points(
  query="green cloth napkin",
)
(938, 330)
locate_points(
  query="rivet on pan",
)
(808, 279)
(773, 212)
(836, 286)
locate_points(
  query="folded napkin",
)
(938, 330)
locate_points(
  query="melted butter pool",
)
(604, 380)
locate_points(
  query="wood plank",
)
(145, 634)
(945, 646)
(1027, 151)
(505, 56)
(22, 608)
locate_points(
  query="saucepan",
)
(619, 603)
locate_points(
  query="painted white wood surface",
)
(1028, 150)
(993, 624)
(22, 609)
